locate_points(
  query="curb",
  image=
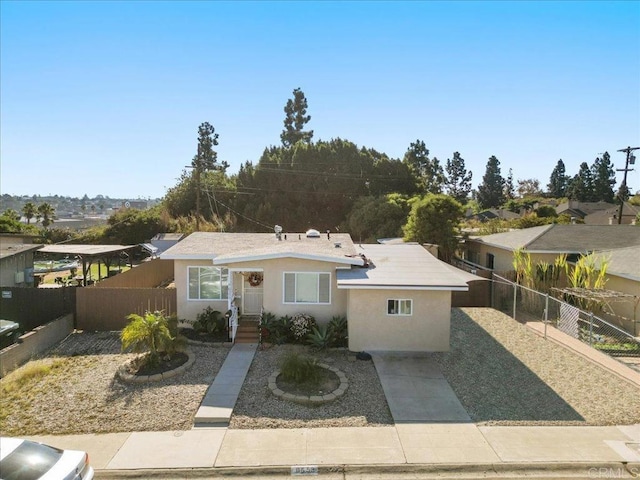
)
(426, 471)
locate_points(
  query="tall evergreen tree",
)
(581, 186)
(509, 188)
(559, 181)
(491, 190)
(458, 179)
(604, 179)
(205, 160)
(295, 119)
(428, 172)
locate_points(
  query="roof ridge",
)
(544, 230)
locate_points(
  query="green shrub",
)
(276, 330)
(300, 369)
(338, 327)
(320, 337)
(301, 325)
(209, 321)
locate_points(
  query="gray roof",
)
(622, 262)
(10, 249)
(225, 248)
(85, 250)
(403, 267)
(565, 238)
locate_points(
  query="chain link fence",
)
(525, 304)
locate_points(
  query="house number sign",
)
(304, 470)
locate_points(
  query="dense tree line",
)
(336, 185)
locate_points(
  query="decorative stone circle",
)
(125, 376)
(315, 399)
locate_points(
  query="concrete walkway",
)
(405, 445)
(416, 390)
(217, 404)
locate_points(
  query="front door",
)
(252, 293)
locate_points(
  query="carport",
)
(88, 254)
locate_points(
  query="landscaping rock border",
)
(125, 376)
(314, 399)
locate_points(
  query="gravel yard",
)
(363, 404)
(81, 393)
(504, 374)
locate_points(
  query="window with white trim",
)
(208, 283)
(399, 306)
(307, 287)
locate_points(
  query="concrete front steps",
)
(248, 330)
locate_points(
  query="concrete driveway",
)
(416, 390)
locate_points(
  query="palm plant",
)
(29, 210)
(148, 333)
(47, 213)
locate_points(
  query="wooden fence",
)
(106, 309)
(32, 307)
(146, 275)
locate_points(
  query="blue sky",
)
(106, 97)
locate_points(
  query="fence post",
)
(546, 314)
(515, 295)
(590, 328)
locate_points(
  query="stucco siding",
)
(425, 330)
(272, 288)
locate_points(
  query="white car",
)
(26, 460)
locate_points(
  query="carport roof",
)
(85, 250)
(409, 267)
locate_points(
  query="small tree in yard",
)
(435, 219)
(148, 333)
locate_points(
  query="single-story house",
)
(16, 262)
(598, 213)
(395, 297)
(547, 242)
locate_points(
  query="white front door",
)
(252, 293)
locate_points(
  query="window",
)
(208, 283)
(307, 287)
(399, 307)
(490, 260)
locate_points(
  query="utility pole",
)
(631, 159)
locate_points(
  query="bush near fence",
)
(525, 304)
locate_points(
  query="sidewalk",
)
(403, 445)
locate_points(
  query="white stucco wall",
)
(426, 330)
(272, 285)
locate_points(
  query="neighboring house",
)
(623, 275)
(494, 213)
(395, 297)
(547, 242)
(598, 213)
(16, 262)
(164, 241)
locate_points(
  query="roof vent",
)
(312, 233)
(337, 245)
